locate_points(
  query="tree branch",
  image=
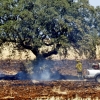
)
(50, 53)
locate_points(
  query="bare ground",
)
(27, 90)
(48, 90)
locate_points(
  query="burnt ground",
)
(60, 89)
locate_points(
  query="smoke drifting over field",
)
(46, 70)
(43, 71)
(38, 70)
(44, 75)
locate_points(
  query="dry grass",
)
(27, 90)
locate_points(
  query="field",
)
(48, 90)
(61, 89)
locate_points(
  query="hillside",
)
(7, 53)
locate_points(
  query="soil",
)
(27, 90)
(68, 89)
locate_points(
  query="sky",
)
(94, 2)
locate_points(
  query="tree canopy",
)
(60, 24)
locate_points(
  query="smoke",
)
(45, 70)
(42, 71)
(45, 75)
(42, 76)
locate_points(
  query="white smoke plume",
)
(41, 71)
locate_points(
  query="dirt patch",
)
(48, 89)
(44, 90)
